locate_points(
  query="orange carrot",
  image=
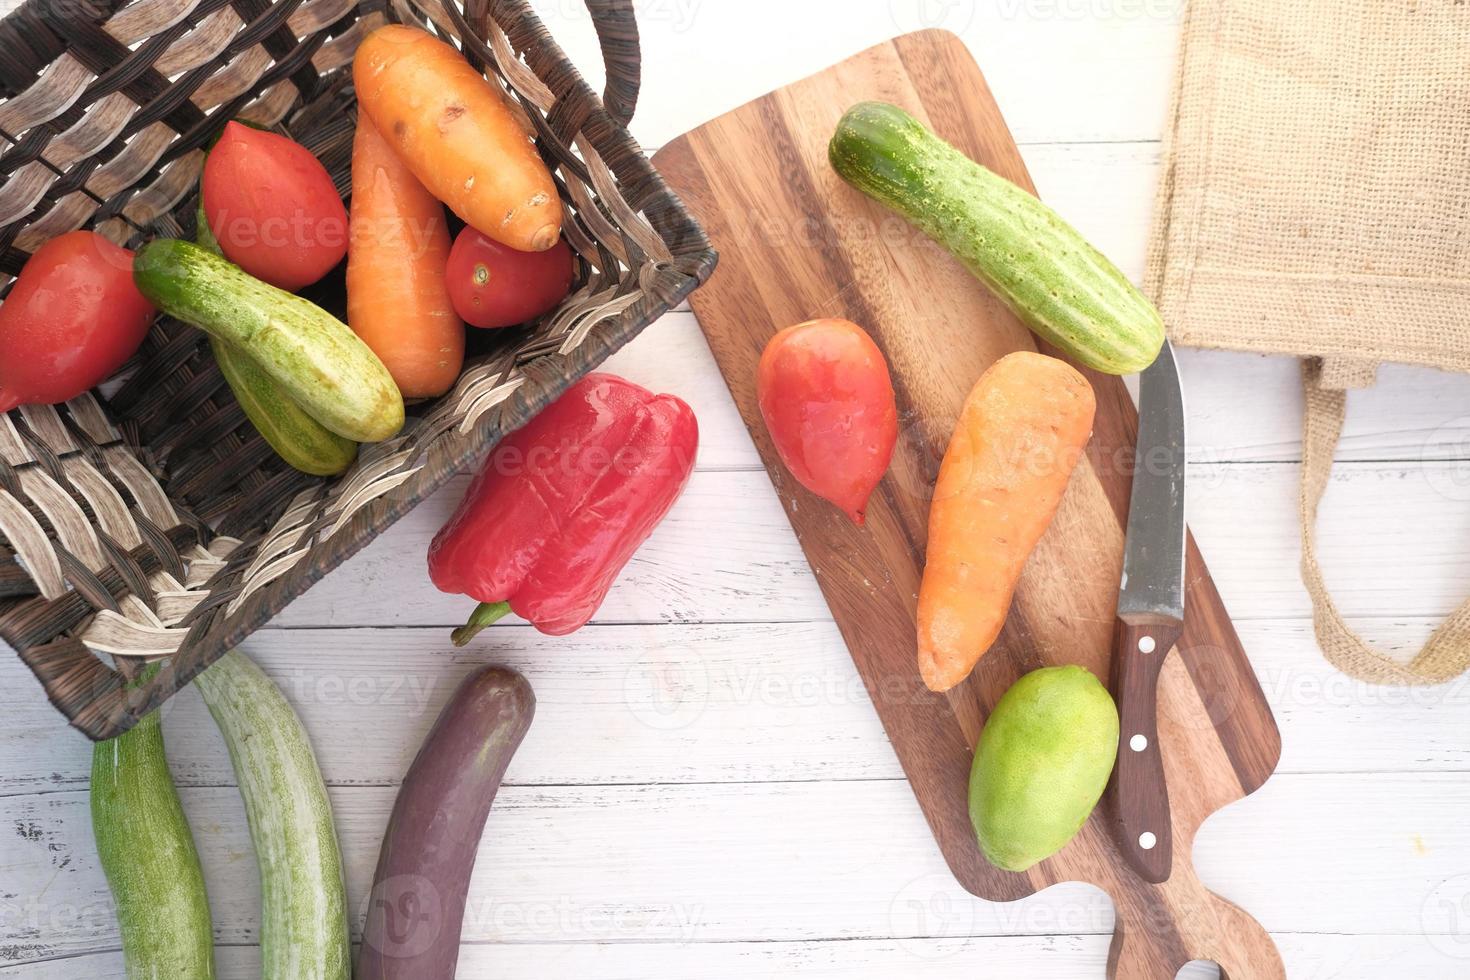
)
(397, 300)
(455, 132)
(1020, 433)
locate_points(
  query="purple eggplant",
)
(417, 905)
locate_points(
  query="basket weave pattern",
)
(154, 521)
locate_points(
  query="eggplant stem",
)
(485, 614)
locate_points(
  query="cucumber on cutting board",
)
(417, 904)
(313, 356)
(1052, 278)
(297, 438)
(148, 855)
(303, 915)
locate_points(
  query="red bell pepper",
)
(561, 505)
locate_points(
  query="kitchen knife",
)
(1150, 620)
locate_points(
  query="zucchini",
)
(1052, 278)
(312, 355)
(297, 438)
(148, 855)
(417, 904)
(303, 916)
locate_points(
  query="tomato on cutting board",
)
(273, 207)
(827, 400)
(73, 318)
(493, 285)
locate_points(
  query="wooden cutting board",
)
(796, 243)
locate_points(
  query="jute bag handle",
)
(1447, 654)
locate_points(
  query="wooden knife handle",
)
(1137, 795)
(1160, 928)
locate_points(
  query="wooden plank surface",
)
(796, 243)
(689, 703)
(1365, 957)
(771, 861)
(1084, 85)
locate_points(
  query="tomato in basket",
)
(493, 285)
(273, 207)
(73, 318)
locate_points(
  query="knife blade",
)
(1150, 619)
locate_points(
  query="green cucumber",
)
(148, 855)
(303, 917)
(313, 356)
(203, 234)
(1052, 278)
(297, 438)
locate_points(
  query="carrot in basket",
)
(1020, 433)
(458, 136)
(397, 300)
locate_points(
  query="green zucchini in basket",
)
(148, 855)
(297, 438)
(313, 356)
(1052, 278)
(303, 912)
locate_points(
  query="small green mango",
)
(1043, 761)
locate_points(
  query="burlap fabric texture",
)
(1315, 201)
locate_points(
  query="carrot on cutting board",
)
(455, 132)
(397, 298)
(1022, 429)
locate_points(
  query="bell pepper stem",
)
(485, 614)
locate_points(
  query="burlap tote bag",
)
(1315, 200)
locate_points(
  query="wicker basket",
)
(154, 522)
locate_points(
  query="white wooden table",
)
(706, 791)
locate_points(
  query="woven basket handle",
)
(617, 33)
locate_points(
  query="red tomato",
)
(273, 207)
(493, 285)
(827, 400)
(73, 318)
